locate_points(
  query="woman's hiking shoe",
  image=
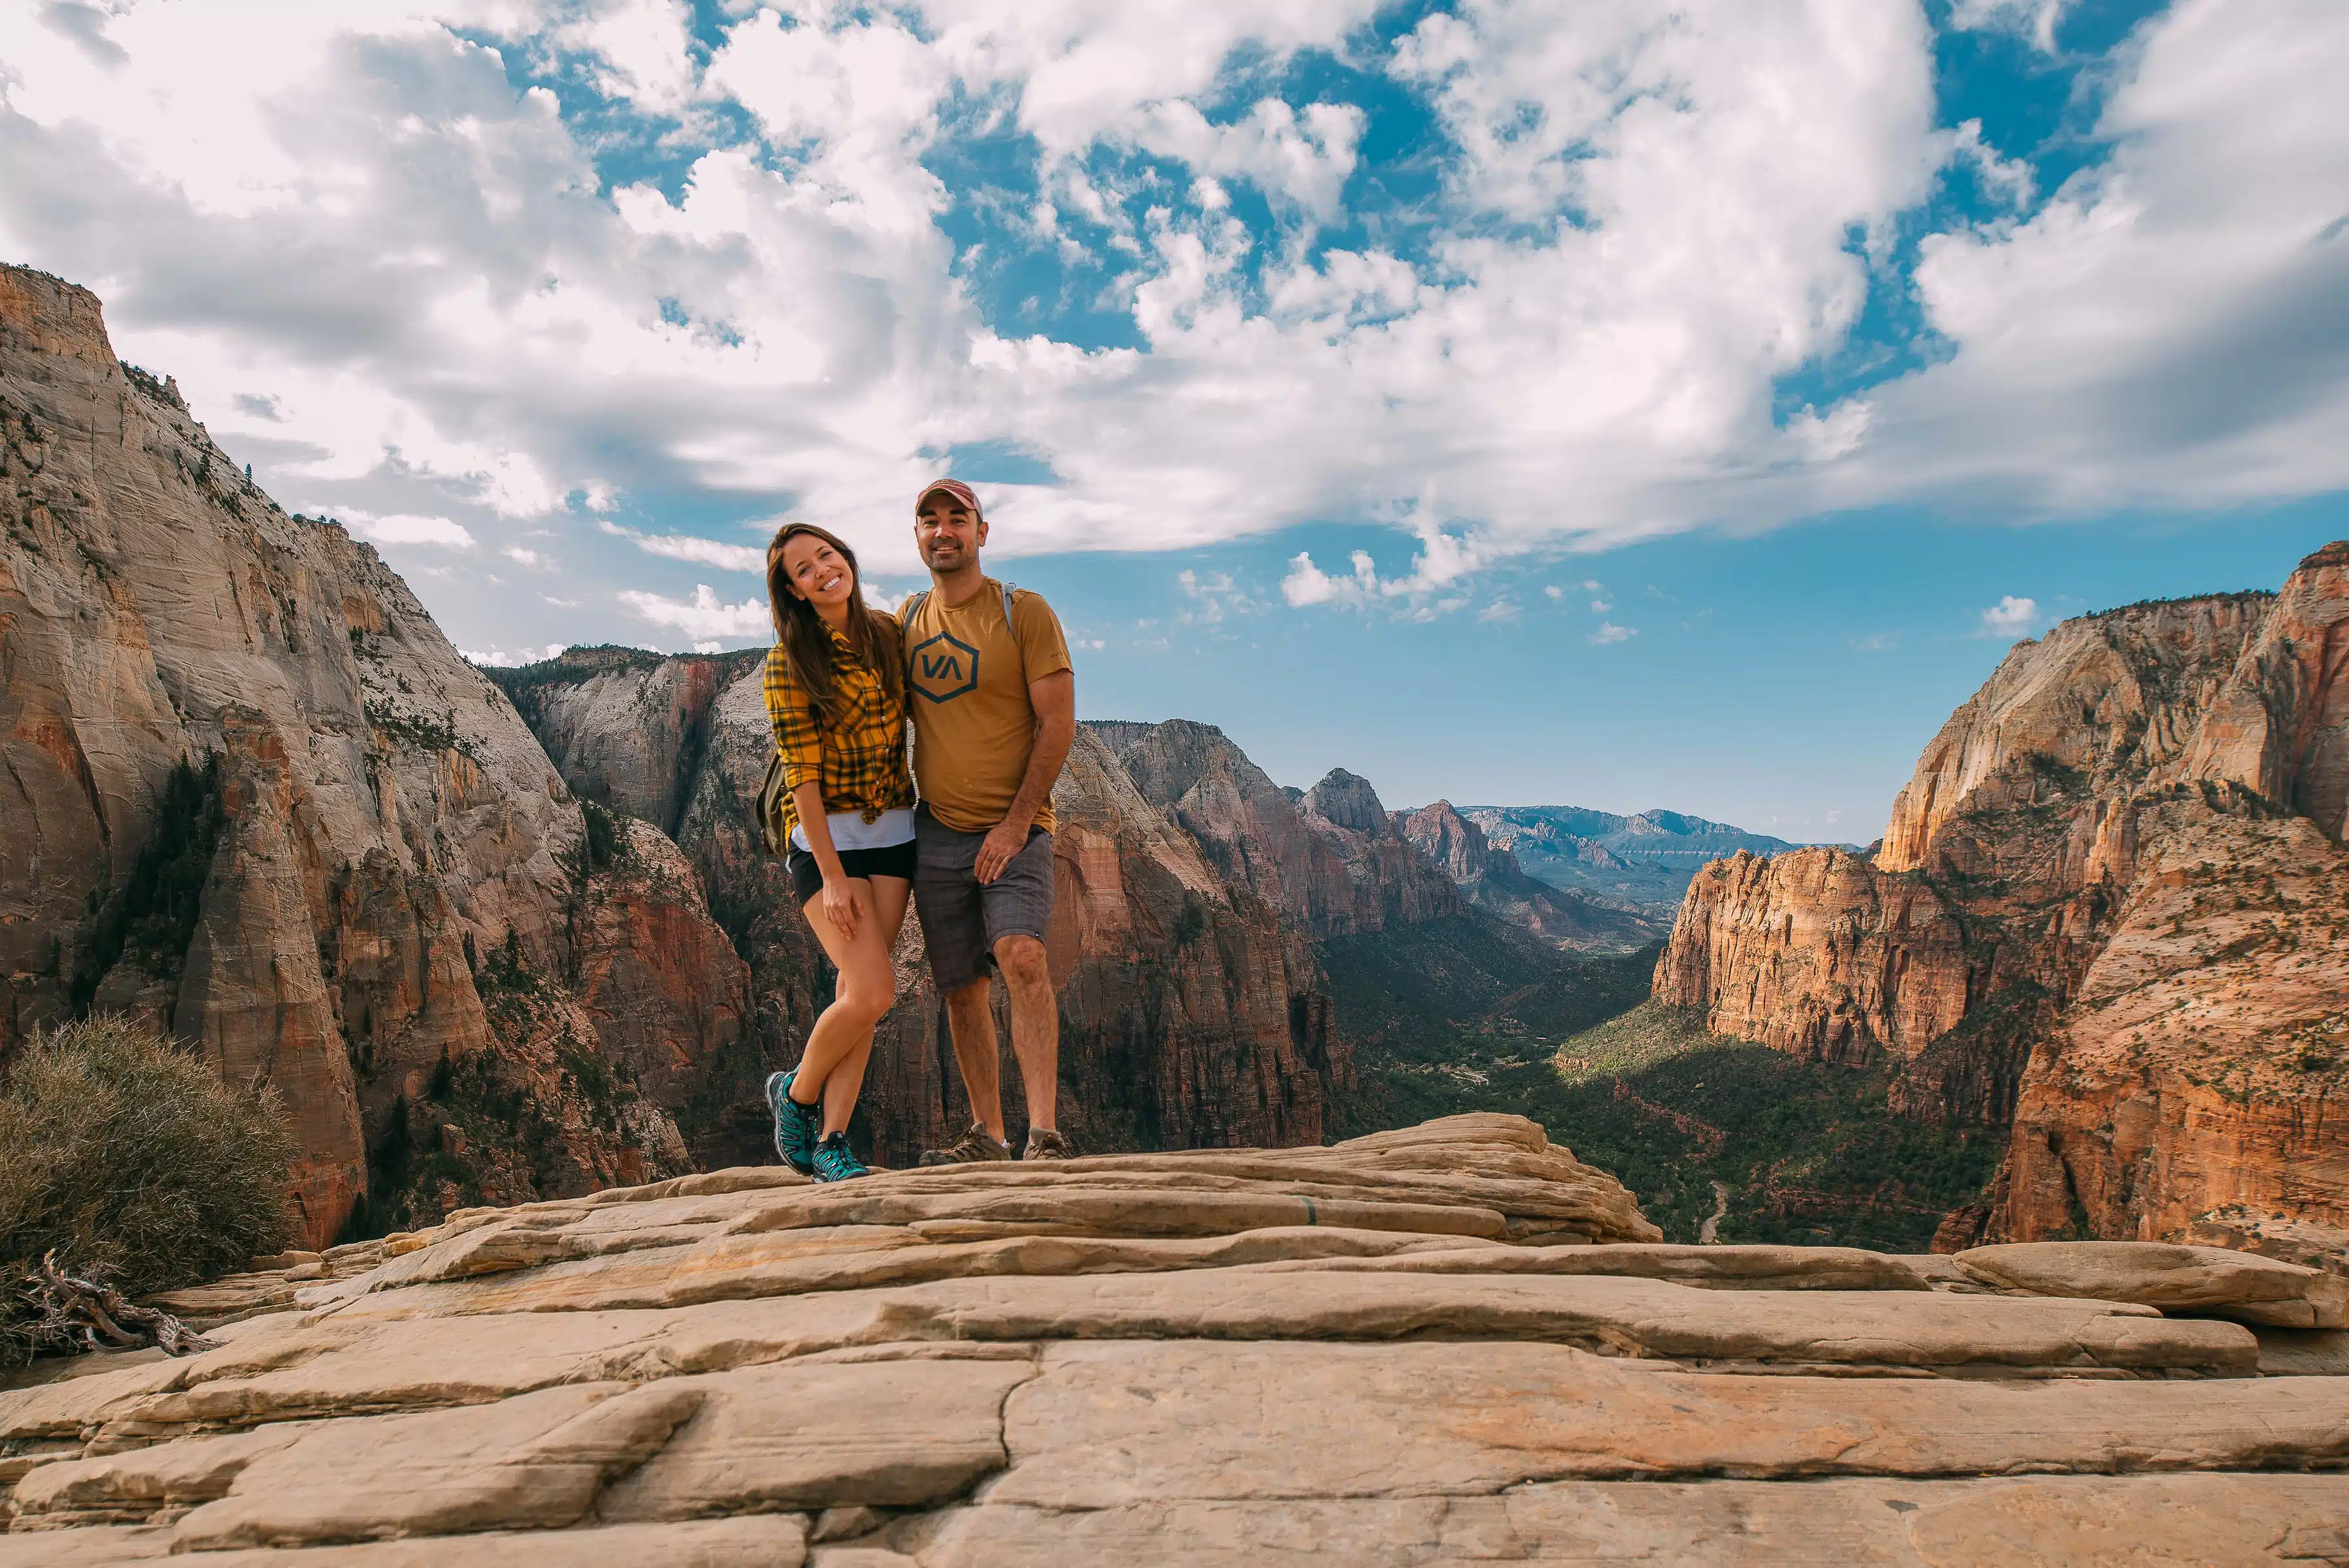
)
(833, 1162)
(973, 1148)
(796, 1125)
(1043, 1143)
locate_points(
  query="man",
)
(995, 711)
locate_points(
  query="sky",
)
(1623, 403)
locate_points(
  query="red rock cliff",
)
(1192, 1010)
(2106, 908)
(381, 853)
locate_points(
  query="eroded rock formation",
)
(1451, 1343)
(1192, 1011)
(1494, 881)
(2109, 908)
(250, 792)
(1332, 862)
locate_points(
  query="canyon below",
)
(509, 934)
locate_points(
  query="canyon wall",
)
(1331, 860)
(1491, 880)
(252, 794)
(1192, 1012)
(2109, 912)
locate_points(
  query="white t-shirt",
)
(851, 831)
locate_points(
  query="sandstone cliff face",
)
(1493, 881)
(359, 820)
(2107, 908)
(1192, 1011)
(1817, 954)
(1332, 863)
(631, 732)
(2196, 1081)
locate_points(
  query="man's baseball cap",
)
(954, 487)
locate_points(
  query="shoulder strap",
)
(914, 600)
(913, 608)
(1013, 626)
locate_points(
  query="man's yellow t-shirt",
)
(967, 685)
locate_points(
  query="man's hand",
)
(1003, 841)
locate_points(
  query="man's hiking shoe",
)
(833, 1162)
(1043, 1143)
(973, 1148)
(796, 1125)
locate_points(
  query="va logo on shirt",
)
(944, 667)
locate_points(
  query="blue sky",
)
(1618, 403)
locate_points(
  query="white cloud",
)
(500, 659)
(1499, 611)
(643, 51)
(703, 617)
(2010, 618)
(1195, 585)
(1307, 584)
(535, 559)
(686, 547)
(403, 528)
(2033, 19)
(1610, 632)
(2147, 337)
(1600, 606)
(411, 289)
(1553, 590)
(1823, 437)
(1303, 157)
(1444, 560)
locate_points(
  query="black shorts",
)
(892, 860)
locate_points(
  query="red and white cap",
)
(954, 487)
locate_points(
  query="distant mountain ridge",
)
(1644, 860)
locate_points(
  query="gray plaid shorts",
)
(962, 921)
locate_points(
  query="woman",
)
(837, 698)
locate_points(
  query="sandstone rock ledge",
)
(1449, 1343)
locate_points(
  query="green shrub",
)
(133, 1161)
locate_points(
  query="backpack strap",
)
(913, 607)
(1013, 626)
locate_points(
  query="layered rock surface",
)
(2107, 910)
(1446, 1343)
(370, 884)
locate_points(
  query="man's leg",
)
(948, 899)
(1035, 1029)
(971, 1021)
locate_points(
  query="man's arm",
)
(1054, 698)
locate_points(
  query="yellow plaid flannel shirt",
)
(858, 765)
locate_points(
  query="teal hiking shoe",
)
(796, 1125)
(833, 1162)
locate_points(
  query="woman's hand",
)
(840, 905)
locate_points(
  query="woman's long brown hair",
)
(809, 647)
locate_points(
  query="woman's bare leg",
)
(833, 1066)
